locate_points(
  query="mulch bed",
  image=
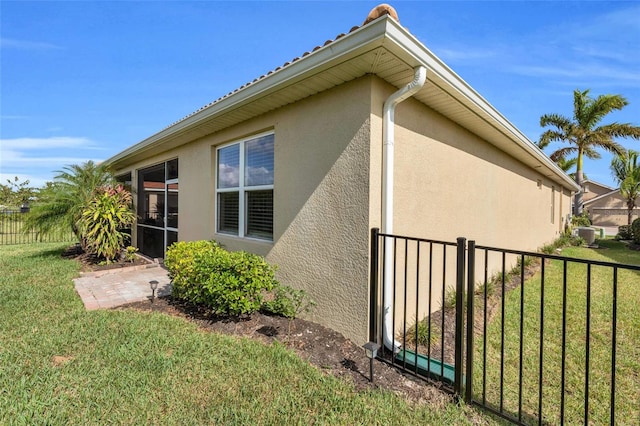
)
(91, 263)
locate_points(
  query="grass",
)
(425, 336)
(60, 364)
(628, 342)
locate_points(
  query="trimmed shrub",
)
(288, 302)
(229, 283)
(624, 232)
(635, 230)
(581, 219)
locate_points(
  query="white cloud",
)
(13, 117)
(38, 159)
(44, 143)
(9, 43)
(601, 51)
(576, 71)
(465, 54)
(228, 176)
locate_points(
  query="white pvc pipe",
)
(388, 134)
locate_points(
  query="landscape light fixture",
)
(371, 350)
(154, 286)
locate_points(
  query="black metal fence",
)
(11, 230)
(419, 273)
(537, 339)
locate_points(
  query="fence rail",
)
(11, 230)
(419, 274)
(536, 339)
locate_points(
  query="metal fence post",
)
(460, 267)
(471, 279)
(373, 286)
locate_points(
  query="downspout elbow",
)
(388, 140)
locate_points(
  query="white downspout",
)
(388, 133)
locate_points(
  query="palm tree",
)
(626, 171)
(61, 203)
(564, 164)
(584, 134)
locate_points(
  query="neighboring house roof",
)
(602, 196)
(382, 47)
(601, 185)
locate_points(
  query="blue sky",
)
(85, 80)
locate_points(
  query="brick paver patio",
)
(107, 289)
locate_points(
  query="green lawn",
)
(60, 364)
(628, 342)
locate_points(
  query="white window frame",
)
(241, 189)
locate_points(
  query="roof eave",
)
(362, 39)
(465, 93)
(385, 32)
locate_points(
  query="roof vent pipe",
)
(388, 134)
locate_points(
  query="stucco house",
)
(290, 166)
(605, 205)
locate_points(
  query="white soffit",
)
(383, 48)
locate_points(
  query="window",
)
(553, 204)
(244, 188)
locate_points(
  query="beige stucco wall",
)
(449, 183)
(321, 213)
(593, 190)
(321, 191)
(610, 211)
(328, 151)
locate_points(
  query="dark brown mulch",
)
(91, 263)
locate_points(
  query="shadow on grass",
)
(618, 251)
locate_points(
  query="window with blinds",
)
(244, 187)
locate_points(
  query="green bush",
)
(130, 254)
(624, 233)
(635, 230)
(564, 240)
(229, 283)
(581, 219)
(288, 302)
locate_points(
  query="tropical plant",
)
(130, 254)
(60, 204)
(626, 171)
(564, 164)
(584, 133)
(104, 219)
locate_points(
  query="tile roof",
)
(376, 12)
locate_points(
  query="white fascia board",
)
(384, 32)
(423, 56)
(350, 45)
